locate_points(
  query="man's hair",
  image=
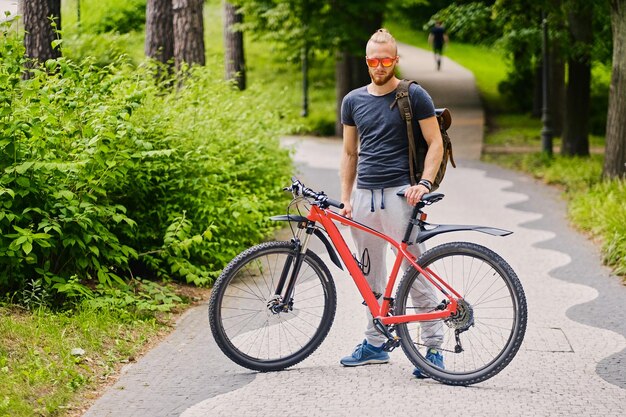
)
(383, 36)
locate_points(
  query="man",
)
(437, 39)
(381, 169)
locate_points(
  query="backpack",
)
(417, 152)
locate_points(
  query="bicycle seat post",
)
(409, 228)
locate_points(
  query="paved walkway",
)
(9, 6)
(572, 361)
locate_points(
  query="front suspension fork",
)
(282, 300)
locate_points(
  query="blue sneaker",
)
(433, 356)
(365, 354)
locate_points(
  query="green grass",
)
(39, 374)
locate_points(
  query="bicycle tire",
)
(497, 308)
(243, 325)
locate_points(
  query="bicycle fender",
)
(424, 235)
(299, 219)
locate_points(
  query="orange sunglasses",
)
(374, 62)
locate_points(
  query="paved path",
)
(572, 361)
(9, 6)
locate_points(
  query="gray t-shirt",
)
(384, 151)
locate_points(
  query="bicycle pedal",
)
(391, 344)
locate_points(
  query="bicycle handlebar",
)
(298, 188)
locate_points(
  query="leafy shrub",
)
(125, 17)
(601, 210)
(101, 49)
(104, 176)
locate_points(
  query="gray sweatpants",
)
(388, 213)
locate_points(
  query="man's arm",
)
(347, 169)
(434, 155)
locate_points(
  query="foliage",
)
(601, 210)
(522, 39)
(103, 49)
(104, 175)
(321, 26)
(103, 16)
(125, 17)
(469, 23)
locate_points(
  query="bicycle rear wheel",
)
(487, 330)
(245, 326)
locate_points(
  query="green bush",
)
(601, 210)
(123, 17)
(104, 48)
(104, 175)
(103, 16)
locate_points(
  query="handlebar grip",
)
(335, 203)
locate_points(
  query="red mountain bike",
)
(274, 304)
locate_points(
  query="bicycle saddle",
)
(427, 199)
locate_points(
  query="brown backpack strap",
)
(404, 105)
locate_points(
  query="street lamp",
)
(546, 131)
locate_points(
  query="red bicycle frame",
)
(381, 311)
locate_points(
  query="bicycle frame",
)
(327, 219)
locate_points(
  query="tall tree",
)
(188, 32)
(42, 20)
(234, 57)
(578, 94)
(160, 30)
(615, 153)
(361, 20)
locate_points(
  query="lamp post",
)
(546, 131)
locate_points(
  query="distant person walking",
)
(437, 39)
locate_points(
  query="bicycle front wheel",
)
(487, 330)
(244, 324)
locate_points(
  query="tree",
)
(350, 69)
(188, 32)
(577, 106)
(42, 20)
(233, 46)
(160, 30)
(615, 153)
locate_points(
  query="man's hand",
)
(414, 194)
(346, 210)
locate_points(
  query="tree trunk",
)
(188, 32)
(234, 57)
(40, 31)
(577, 107)
(350, 69)
(159, 30)
(350, 73)
(615, 154)
(556, 101)
(342, 86)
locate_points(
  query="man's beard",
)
(381, 80)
